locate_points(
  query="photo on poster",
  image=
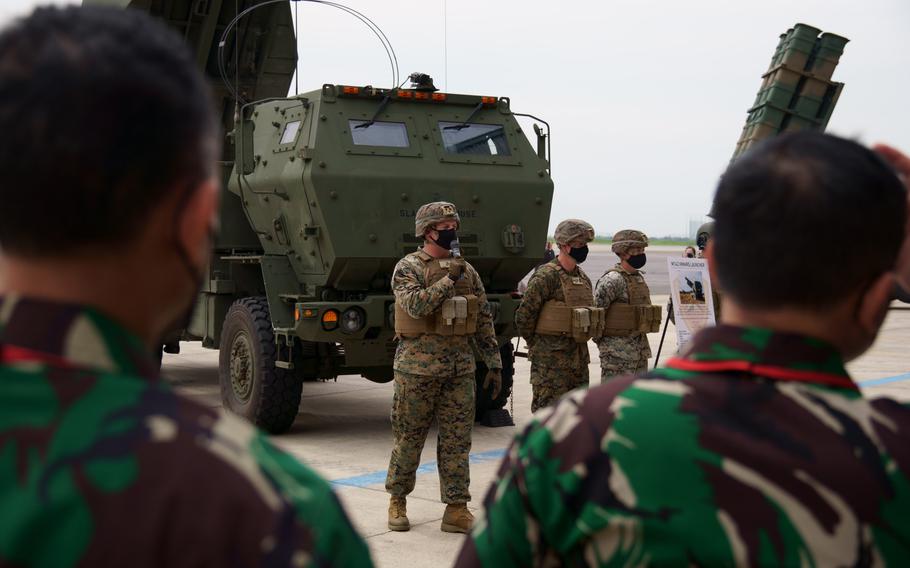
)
(692, 297)
(691, 287)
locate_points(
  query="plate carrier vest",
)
(636, 316)
(575, 317)
(455, 316)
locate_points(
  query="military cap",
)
(573, 229)
(629, 238)
(432, 213)
(704, 233)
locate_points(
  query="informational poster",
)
(692, 297)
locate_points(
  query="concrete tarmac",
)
(343, 432)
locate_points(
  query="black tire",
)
(380, 375)
(901, 294)
(483, 402)
(251, 385)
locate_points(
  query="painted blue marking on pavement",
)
(884, 381)
(378, 477)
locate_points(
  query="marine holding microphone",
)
(441, 319)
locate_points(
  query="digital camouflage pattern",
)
(628, 238)
(102, 464)
(549, 384)
(755, 449)
(624, 354)
(419, 399)
(558, 364)
(430, 214)
(432, 373)
(430, 354)
(573, 230)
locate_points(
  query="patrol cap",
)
(573, 229)
(628, 238)
(704, 233)
(432, 213)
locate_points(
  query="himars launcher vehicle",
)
(797, 92)
(320, 195)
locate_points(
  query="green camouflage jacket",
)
(432, 354)
(611, 287)
(548, 350)
(102, 464)
(754, 449)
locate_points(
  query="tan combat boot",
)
(457, 518)
(398, 514)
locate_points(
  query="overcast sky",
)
(646, 98)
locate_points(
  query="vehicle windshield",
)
(367, 133)
(473, 138)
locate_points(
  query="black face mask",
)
(197, 274)
(446, 236)
(638, 260)
(690, 255)
(579, 254)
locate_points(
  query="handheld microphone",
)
(455, 247)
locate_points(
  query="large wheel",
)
(251, 385)
(483, 401)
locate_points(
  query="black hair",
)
(102, 114)
(805, 219)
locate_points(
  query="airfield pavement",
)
(343, 430)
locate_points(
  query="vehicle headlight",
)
(330, 320)
(353, 320)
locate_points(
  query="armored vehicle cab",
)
(320, 195)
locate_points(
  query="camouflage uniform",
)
(621, 354)
(434, 378)
(102, 464)
(756, 449)
(559, 364)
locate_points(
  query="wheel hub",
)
(242, 367)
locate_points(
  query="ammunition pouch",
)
(455, 316)
(624, 319)
(556, 318)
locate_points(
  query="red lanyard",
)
(14, 354)
(769, 371)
